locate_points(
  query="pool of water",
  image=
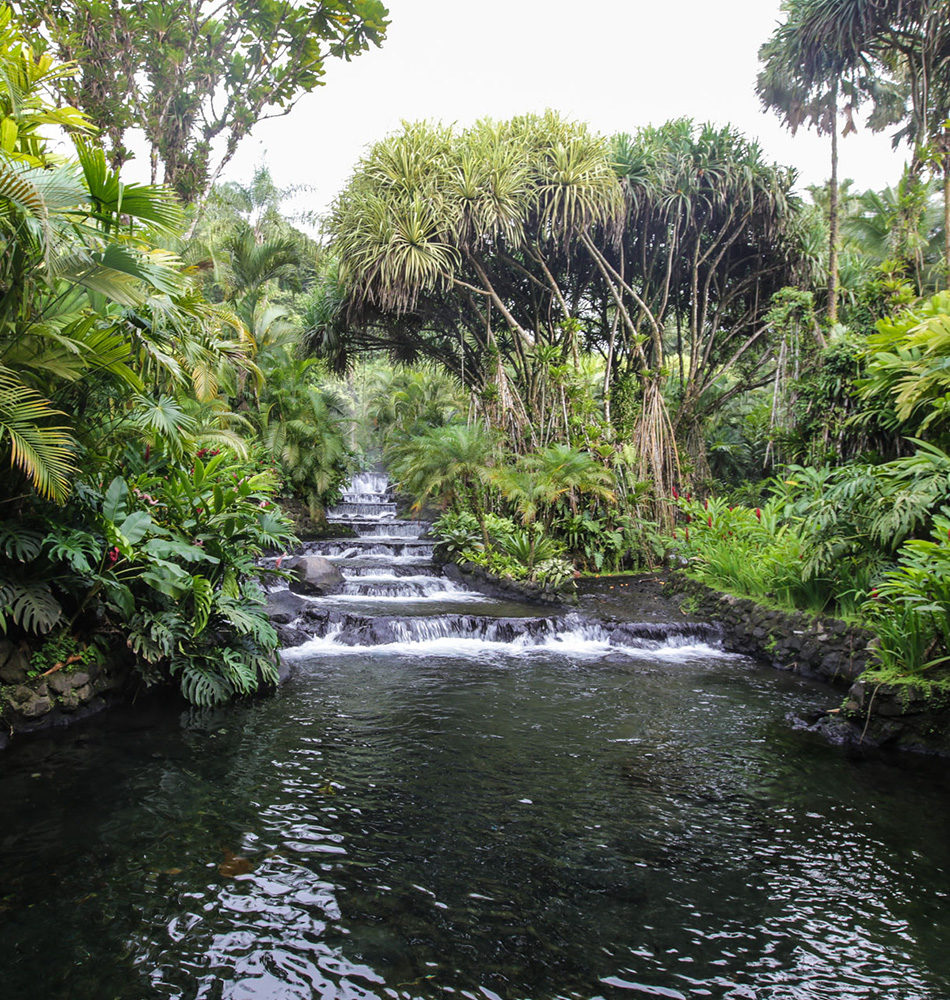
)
(476, 822)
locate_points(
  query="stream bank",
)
(29, 704)
(904, 716)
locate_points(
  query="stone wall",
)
(28, 704)
(806, 644)
(905, 716)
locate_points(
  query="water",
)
(537, 808)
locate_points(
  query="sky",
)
(615, 64)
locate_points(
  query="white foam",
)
(571, 645)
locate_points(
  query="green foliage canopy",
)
(193, 72)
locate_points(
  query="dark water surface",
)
(476, 822)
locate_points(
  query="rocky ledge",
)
(905, 716)
(476, 578)
(30, 703)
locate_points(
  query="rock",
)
(14, 664)
(20, 695)
(37, 705)
(283, 607)
(316, 576)
(290, 637)
(60, 682)
(69, 702)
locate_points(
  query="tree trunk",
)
(833, 214)
(946, 216)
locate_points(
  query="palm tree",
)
(76, 261)
(903, 225)
(804, 86)
(558, 475)
(301, 426)
(542, 482)
(898, 50)
(447, 465)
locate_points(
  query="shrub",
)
(169, 564)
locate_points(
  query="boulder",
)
(14, 664)
(315, 576)
(283, 607)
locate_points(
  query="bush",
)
(168, 563)
(910, 610)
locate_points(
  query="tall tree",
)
(197, 75)
(906, 42)
(804, 87)
(504, 250)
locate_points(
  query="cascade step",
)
(385, 572)
(388, 560)
(345, 548)
(368, 484)
(361, 511)
(573, 631)
(388, 528)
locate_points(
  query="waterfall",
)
(389, 560)
(388, 565)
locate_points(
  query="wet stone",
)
(14, 664)
(36, 707)
(60, 682)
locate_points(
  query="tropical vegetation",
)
(575, 353)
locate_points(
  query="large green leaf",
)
(114, 504)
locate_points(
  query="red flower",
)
(758, 513)
(706, 504)
(111, 556)
(676, 495)
(710, 520)
(687, 532)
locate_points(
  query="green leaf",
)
(113, 506)
(29, 605)
(203, 594)
(166, 548)
(121, 596)
(136, 526)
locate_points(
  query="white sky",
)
(616, 64)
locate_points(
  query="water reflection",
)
(536, 827)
